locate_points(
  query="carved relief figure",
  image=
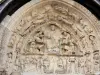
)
(9, 63)
(74, 48)
(17, 65)
(52, 46)
(92, 39)
(32, 47)
(88, 63)
(72, 65)
(34, 63)
(39, 64)
(50, 15)
(66, 16)
(18, 52)
(39, 40)
(26, 62)
(19, 45)
(96, 61)
(29, 45)
(81, 65)
(60, 9)
(60, 67)
(27, 29)
(50, 34)
(12, 41)
(52, 27)
(31, 64)
(17, 29)
(52, 41)
(78, 28)
(10, 55)
(23, 23)
(65, 42)
(85, 26)
(47, 66)
(36, 44)
(84, 42)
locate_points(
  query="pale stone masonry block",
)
(50, 37)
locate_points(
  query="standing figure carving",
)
(92, 39)
(81, 65)
(39, 40)
(9, 62)
(72, 65)
(47, 66)
(88, 63)
(65, 42)
(96, 61)
(60, 67)
(12, 41)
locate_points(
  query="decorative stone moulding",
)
(51, 37)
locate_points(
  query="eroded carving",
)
(96, 57)
(12, 41)
(55, 40)
(61, 69)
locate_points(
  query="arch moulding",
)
(51, 37)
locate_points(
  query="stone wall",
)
(51, 37)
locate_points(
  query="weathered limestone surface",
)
(51, 37)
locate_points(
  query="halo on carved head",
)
(91, 37)
(65, 33)
(52, 27)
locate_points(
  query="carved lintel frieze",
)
(54, 37)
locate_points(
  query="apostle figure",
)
(96, 57)
(60, 67)
(47, 66)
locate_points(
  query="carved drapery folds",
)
(55, 38)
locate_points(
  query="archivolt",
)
(53, 30)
